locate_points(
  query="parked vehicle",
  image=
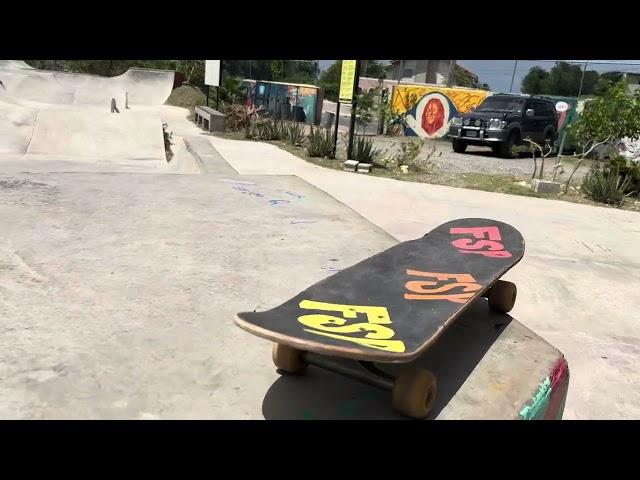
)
(502, 121)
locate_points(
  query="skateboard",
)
(391, 307)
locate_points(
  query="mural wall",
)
(430, 108)
(300, 103)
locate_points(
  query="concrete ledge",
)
(364, 167)
(350, 165)
(209, 119)
(544, 186)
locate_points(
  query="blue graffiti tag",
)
(292, 194)
(246, 190)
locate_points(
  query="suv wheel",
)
(506, 147)
(459, 146)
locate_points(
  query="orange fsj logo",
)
(434, 286)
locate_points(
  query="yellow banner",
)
(347, 80)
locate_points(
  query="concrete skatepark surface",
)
(119, 293)
(119, 284)
(68, 116)
(577, 283)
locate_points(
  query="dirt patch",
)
(187, 96)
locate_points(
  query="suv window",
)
(499, 103)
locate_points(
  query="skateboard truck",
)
(413, 390)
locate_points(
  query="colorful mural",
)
(430, 108)
(285, 101)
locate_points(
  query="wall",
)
(280, 99)
(443, 105)
(446, 103)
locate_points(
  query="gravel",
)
(478, 159)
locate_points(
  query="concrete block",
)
(544, 186)
(364, 167)
(350, 165)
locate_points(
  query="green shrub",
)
(295, 134)
(629, 171)
(605, 184)
(363, 150)
(320, 143)
(266, 130)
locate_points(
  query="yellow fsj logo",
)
(378, 334)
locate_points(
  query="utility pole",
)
(582, 79)
(515, 67)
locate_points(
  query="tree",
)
(606, 81)
(375, 70)
(364, 108)
(193, 70)
(330, 81)
(277, 70)
(300, 71)
(564, 79)
(534, 82)
(607, 118)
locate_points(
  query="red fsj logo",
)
(485, 241)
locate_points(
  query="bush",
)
(605, 184)
(266, 130)
(363, 150)
(320, 143)
(294, 134)
(409, 151)
(629, 171)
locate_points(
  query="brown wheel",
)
(414, 392)
(502, 296)
(288, 359)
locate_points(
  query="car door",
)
(528, 121)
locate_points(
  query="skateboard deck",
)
(393, 305)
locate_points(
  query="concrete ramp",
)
(98, 135)
(143, 86)
(14, 64)
(66, 115)
(16, 125)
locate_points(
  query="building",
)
(435, 72)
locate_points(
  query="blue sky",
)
(497, 73)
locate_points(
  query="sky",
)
(498, 73)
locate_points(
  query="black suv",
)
(503, 120)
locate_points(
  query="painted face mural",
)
(430, 116)
(433, 116)
(432, 103)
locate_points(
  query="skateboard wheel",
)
(414, 392)
(288, 359)
(502, 296)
